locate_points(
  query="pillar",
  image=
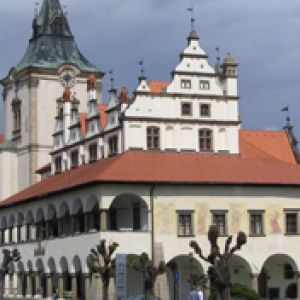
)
(112, 289)
(87, 284)
(254, 282)
(162, 287)
(19, 284)
(103, 220)
(298, 285)
(28, 285)
(38, 284)
(11, 284)
(49, 285)
(74, 286)
(60, 285)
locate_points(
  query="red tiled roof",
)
(44, 169)
(257, 164)
(157, 87)
(1, 138)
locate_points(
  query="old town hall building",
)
(150, 170)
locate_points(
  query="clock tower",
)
(31, 93)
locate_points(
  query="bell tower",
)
(31, 90)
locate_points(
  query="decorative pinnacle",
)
(67, 95)
(142, 76)
(288, 119)
(191, 10)
(218, 55)
(36, 8)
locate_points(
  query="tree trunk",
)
(224, 294)
(105, 295)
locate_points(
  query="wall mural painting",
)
(274, 216)
(165, 218)
(202, 213)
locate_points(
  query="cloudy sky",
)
(263, 36)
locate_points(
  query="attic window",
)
(74, 159)
(186, 84)
(58, 164)
(113, 145)
(204, 85)
(93, 155)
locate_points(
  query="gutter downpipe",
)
(152, 222)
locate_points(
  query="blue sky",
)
(263, 36)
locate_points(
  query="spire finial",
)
(65, 10)
(36, 8)
(288, 119)
(218, 55)
(191, 10)
(142, 76)
(112, 79)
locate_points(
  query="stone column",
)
(254, 281)
(112, 289)
(19, 284)
(87, 284)
(49, 285)
(74, 285)
(38, 288)
(11, 285)
(28, 285)
(104, 220)
(60, 285)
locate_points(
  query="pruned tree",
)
(149, 272)
(218, 272)
(101, 261)
(9, 257)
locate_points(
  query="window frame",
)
(208, 109)
(93, 152)
(186, 84)
(291, 212)
(113, 145)
(151, 136)
(204, 85)
(190, 113)
(58, 161)
(260, 213)
(205, 139)
(218, 213)
(185, 213)
(74, 162)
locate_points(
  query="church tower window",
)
(16, 109)
(205, 140)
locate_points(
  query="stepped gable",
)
(257, 164)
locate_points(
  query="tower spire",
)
(193, 35)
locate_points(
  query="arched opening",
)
(52, 222)
(40, 224)
(53, 276)
(11, 226)
(240, 271)
(31, 288)
(22, 278)
(67, 279)
(20, 227)
(42, 289)
(277, 277)
(78, 217)
(30, 229)
(3, 229)
(65, 224)
(180, 271)
(93, 214)
(128, 212)
(80, 287)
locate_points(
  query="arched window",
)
(153, 138)
(205, 140)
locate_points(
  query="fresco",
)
(235, 219)
(274, 220)
(202, 215)
(165, 216)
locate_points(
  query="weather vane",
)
(112, 80)
(141, 64)
(287, 110)
(191, 10)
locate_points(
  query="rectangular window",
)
(186, 109)
(291, 222)
(205, 140)
(204, 110)
(204, 85)
(153, 138)
(74, 159)
(136, 217)
(185, 223)
(256, 223)
(113, 145)
(219, 219)
(93, 155)
(186, 84)
(58, 164)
